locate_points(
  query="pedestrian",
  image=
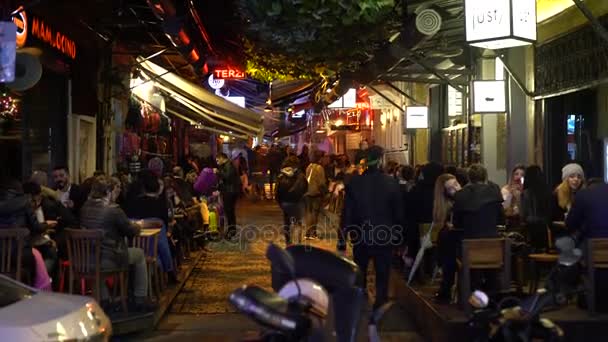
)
(291, 187)
(372, 216)
(230, 189)
(317, 188)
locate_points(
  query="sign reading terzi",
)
(500, 24)
(228, 74)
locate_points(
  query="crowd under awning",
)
(190, 101)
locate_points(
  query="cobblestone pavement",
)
(201, 312)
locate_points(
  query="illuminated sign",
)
(238, 100)
(349, 100)
(489, 97)
(606, 160)
(53, 38)
(39, 29)
(20, 20)
(228, 74)
(362, 105)
(500, 24)
(215, 83)
(416, 117)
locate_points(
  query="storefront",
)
(55, 95)
(571, 80)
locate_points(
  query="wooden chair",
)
(150, 248)
(11, 251)
(483, 254)
(596, 258)
(84, 254)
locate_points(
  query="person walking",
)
(371, 217)
(230, 189)
(317, 188)
(291, 187)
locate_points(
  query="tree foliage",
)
(308, 38)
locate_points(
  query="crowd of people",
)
(383, 207)
(386, 204)
(120, 205)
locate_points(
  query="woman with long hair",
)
(573, 177)
(445, 188)
(535, 208)
(511, 193)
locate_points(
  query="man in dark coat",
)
(588, 216)
(476, 213)
(372, 215)
(72, 196)
(230, 188)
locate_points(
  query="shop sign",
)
(349, 100)
(500, 24)
(489, 97)
(215, 83)
(606, 160)
(228, 74)
(39, 29)
(20, 20)
(416, 117)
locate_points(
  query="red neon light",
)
(228, 74)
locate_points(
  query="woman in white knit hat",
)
(572, 181)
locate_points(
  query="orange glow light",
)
(20, 21)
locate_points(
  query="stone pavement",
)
(201, 312)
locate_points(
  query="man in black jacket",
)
(230, 188)
(291, 187)
(372, 215)
(476, 213)
(71, 195)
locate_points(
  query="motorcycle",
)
(513, 319)
(310, 284)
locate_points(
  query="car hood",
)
(53, 316)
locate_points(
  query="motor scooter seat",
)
(270, 310)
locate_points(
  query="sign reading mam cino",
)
(37, 28)
(500, 24)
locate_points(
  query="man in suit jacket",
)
(70, 195)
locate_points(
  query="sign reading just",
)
(500, 24)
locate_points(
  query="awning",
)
(210, 107)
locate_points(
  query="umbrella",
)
(425, 244)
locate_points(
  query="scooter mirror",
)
(479, 300)
(281, 258)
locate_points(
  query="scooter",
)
(310, 284)
(514, 319)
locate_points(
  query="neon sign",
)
(55, 39)
(39, 29)
(20, 20)
(228, 74)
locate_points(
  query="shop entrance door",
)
(570, 134)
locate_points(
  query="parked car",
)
(27, 314)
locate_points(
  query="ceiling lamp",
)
(500, 24)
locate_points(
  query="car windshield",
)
(12, 292)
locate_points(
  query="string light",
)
(8, 106)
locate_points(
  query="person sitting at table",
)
(100, 212)
(565, 193)
(511, 194)
(16, 212)
(151, 202)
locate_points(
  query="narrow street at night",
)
(201, 311)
